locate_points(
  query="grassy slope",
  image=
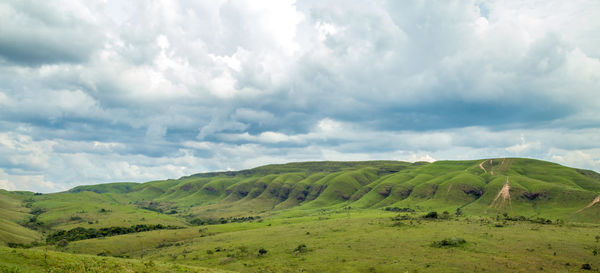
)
(63, 211)
(12, 213)
(38, 260)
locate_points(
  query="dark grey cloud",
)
(36, 33)
(108, 91)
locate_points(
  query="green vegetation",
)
(449, 242)
(80, 233)
(507, 214)
(29, 260)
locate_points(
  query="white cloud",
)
(523, 147)
(580, 159)
(109, 91)
(27, 182)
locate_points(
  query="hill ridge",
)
(536, 189)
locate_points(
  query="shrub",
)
(398, 224)
(14, 245)
(586, 267)
(400, 217)
(262, 251)
(458, 212)
(300, 248)
(37, 211)
(104, 253)
(449, 242)
(62, 243)
(431, 215)
(445, 215)
(397, 209)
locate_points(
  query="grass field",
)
(501, 215)
(36, 260)
(364, 241)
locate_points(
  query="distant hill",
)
(516, 186)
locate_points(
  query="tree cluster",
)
(211, 221)
(80, 233)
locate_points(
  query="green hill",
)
(235, 203)
(537, 189)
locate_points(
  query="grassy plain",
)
(364, 241)
(38, 260)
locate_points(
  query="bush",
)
(397, 209)
(37, 211)
(262, 251)
(14, 245)
(62, 243)
(449, 242)
(401, 217)
(431, 215)
(586, 267)
(398, 224)
(301, 248)
(458, 212)
(445, 215)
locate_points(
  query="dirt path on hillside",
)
(481, 166)
(595, 201)
(504, 193)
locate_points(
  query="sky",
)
(106, 91)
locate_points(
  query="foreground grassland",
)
(27, 260)
(366, 241)
(501, 215)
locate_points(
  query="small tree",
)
(459, 212)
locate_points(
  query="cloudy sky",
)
(104, 91)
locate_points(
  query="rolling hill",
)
(535, 189)
(289, 195)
